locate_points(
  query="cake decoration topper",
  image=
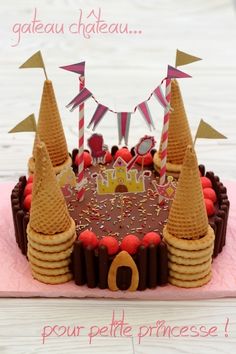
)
(206, 131)
(123, 118)
(120, 180)
(98, 149)
(35, 61)
(166, 191)
(144, 146)
(79, 68)
(26, 125)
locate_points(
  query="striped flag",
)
(161, 97)
(98, 114)
(123, 119)
(173, 73)
(144, 110)
(79, 99)
(75, 68)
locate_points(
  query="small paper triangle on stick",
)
(206, 131)
(183, 58)
(35, 61)
(26, 125)
(173, 73)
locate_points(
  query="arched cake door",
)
(123, 260)
(121, 188)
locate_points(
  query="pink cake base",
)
(16, 279)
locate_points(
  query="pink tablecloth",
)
(16, 279)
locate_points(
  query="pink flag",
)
(98, 114)
(80, 98)
(173, 73)
(123, 119)
(161, 97)
(75, 68)
(144, 109)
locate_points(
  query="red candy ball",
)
(209, 193)
(124, 153)
(209, 207)
(108, 157)
(147, 160)
(111, 243)
(27, 202)
(87, 159)
(206, 182)
(151, 238)
(130, 244)
(28, 189)
(88, 238)
(30, 179)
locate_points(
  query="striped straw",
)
(164, 139)
(81, 191)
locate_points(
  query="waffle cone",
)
(49, 214)
(50, 128)
(188, 217)
(179, 135)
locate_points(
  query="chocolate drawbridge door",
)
(123, 273)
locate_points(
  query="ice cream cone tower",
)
(189, 238)
(50, 131)
(179, 135)
(51, 231)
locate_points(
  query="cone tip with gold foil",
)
(188, 217)
(49, 214)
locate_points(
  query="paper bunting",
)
(173, 73)
(206, 131)
(98, 115)
(26, 125)
(144, 109)
(75, 68)
(80, 98)
(158, 93)
(183, 58)
(123, 119)
(35, 61)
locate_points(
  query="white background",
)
(121, 70)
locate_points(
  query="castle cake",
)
(128, 232)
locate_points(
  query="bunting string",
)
(123, 118)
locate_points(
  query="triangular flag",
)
(183, 58)
(77, 68)
(144, 110)
(80, 98)
(123, 119)
(206, 131)
(98, 114)
(161, 97)
(173, 73)
(35, 61)
(26, 125)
